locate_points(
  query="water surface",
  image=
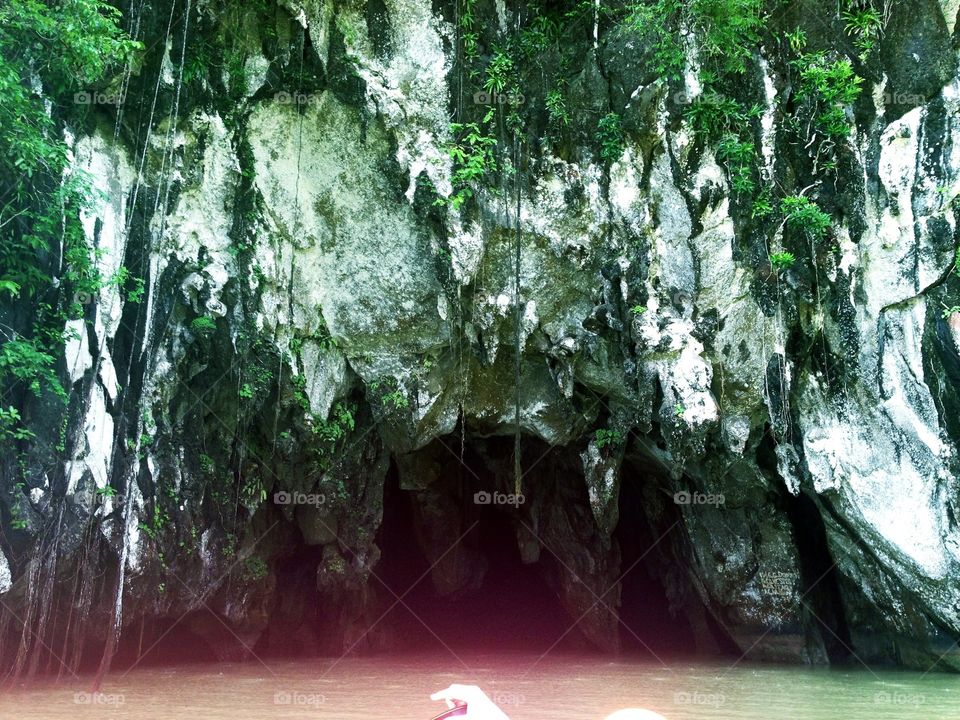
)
(555, 688)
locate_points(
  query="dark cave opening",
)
(504, 595)
(648, 627)
(512, 608)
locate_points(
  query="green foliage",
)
(714, 115)
(49, 50)
(499, 72)
(739, 157)
(865, 25)
(828, 86)
(719, 118)
(797, 39)
(156, 522)
(10, 427)
(557, 108)
(658, 23)
(762, 206)
(727, 31)
(638, 309)
(804, 215)
(539, 35)
(782, 260)
(469, 37)
(610, 136)
(949, 311)
(473, 158)
(604, 437)
(207, 464)
(203, 325)
(396, 399)
(252, 490)
(340, 424)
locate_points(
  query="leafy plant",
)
(865, 26)
(797, 39)
(803, 214)
(604, 437)
(473, 158)
(396, 398)
(499, 72)
(782, 260)
(557, 108)
(829, 86)
(727, 30)
(338, 426)
(203, 325)
(739, 157)
(762, 206)
(638, 309)
(50, 55)
(610, 136)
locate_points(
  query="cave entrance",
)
(651, 624)
(500, 603)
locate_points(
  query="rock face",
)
(313, 321)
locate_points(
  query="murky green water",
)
(555, 688)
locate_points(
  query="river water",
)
(555, 688)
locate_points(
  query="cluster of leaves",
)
(340, 424)
(727, 30)
(472, 152)
(610, 137)
(739, 156)
(469, 37)
(557, 108)
(203, 325)
(802, 214)
(828, 85)
(49, 50)
(782, 260)
(604, 437)
(865, 24)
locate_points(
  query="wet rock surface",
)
(310, 326)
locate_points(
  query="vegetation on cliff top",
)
(51, 51)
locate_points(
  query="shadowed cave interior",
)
(491, 600)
